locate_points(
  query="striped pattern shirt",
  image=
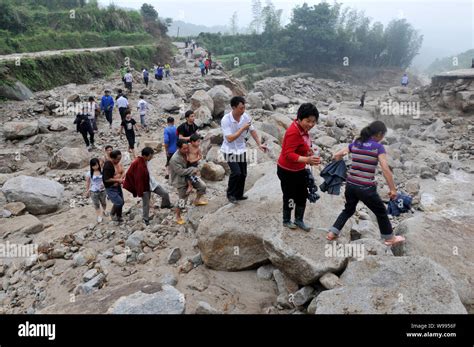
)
(364, 162)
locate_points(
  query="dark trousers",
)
(108, 116)
(370, 197)
(294, 187)
(122, 111)
(145, 79)
(89, 132)
(238, 174)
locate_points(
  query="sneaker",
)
(146, 222)
(243, 197)
(201, 202)
(99, 219)
(180, 221)
(301, 225)
(290, 225)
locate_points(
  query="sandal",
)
(394, 241)
(180, 221)
(333, 237)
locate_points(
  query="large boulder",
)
(167, 301)
(279, 100)
(201, 98)
(162, 87)
(221, 96)
(26, 224)
(19, 130)
(237, 87)
(254, 100)
(231, 238)
(69, 158)
(307, 256)
(15, 91)
(447, 241)
(392, 285)
(168, 103)
(40, 195)
(202, 116)
(212, 172)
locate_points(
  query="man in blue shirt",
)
(107, 106)
(145, 76)
(170, 140)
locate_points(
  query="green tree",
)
(149, 13)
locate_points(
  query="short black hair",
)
(107, 147)
(236, 100)
(307, 110)
(188, 113)
(170, 120)
(147, 151)
(119, 91)
(141, 96)
(181, 142)
(91, 98)
(115, 153)
(195, 137)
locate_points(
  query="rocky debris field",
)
(234, 258)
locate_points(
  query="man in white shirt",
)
(128, 78)
(122, 104)
(142, 107)
(236, 128)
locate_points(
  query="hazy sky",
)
(447, 26)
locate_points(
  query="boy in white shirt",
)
(142, 107)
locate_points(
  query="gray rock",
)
(254, 100)
(70, 158)
(26, 224)
(285, 284)
(90, 275)
(443, 167)
(205, 308)
(120, 259)
(303, 295)
(15, 91)
(381, 285)
(196, 259)
(134, 240)
(221, 96)
(265, 272)
(39, 195)
(325, 141)
(201, 98)
(167, 301)
(19, 130)
(91, 285)
(330, 281)
(278, 100)
(174, 255)
(203, 116)
(169, 279)
(212, 172)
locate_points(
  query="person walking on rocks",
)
(178, 173)
(362, 99)
(95, 189)
(236, 126)
(404, 81)
(296, 154)
(83, 126)
(170, 141)
(146, 76)
(202, 67)
(367, 152)
(92, 109)
(122, 104)
(112, 177)
(129, 125)
(159, 72)
(167, 70)
(142, 107)
(193, 158)
(123, 71)
(128, 81)
(107, 106)
(140, 182)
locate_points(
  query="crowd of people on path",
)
(106, 176)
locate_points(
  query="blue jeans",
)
(115, 195)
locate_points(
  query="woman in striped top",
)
(367, 152)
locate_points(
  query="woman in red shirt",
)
(295, 154)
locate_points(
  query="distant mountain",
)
(189, 29)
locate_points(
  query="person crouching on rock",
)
(295, 154)
(178, 173)
(367, 152)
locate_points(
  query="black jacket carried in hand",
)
(334, 175)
